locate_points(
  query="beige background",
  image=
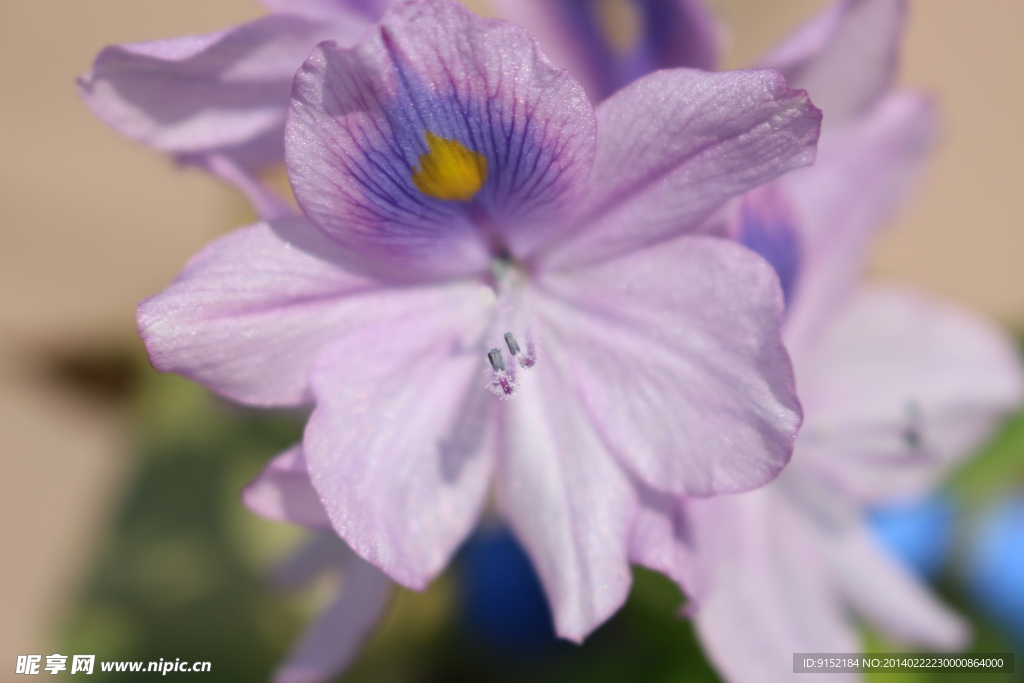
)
(92, 223)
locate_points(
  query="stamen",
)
(503, 385)
(501, 379)
(528, 359)
(510, 341)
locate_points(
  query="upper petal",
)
(863, 174)
(283, 492)
(219, 92)
(400, 446)
(900, 388)
(675, 145)
(440, 140)
(583, 37)
(675, 352)
(249, 315)
(566, 499)
(846, 57)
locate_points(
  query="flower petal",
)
(887, 594)
(283, 492)
(863, 173)
(400, 445)
(250, 314)
(221, 92)
(676, 353)
(901, 388)
(845, 58)
(566, 499)
(675, 145)
(441, 139)
(772, 594)
(332, 641)
(577, 36)
(662, 539)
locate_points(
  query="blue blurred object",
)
(919, 532)
(996, 565)
(503, 603)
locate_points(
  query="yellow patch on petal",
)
(449, 170)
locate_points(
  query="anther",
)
(497, 362)
(513, 345)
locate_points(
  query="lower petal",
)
(332, 641)
(400, 446)
(884, 592)
(567, 501)
(771, 595)
(283, 492)
(676, 354)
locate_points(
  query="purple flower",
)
(219, 100)
(895, 386)
(476, 231)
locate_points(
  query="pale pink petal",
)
(863, 174)
(892, 599)
(221, 92)
(284, 493)
(901, 388)
(674, 146)
(400, 445)
(846, 58)
(332, 641)
(250, 314)
(566, 499)
(772, 594)
(360, 121)
(676, 356)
